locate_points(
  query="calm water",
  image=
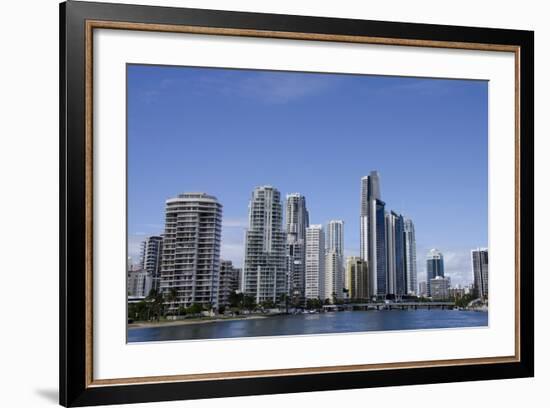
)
(339, 322)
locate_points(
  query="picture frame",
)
(79, 21)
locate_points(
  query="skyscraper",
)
(373, 233)
(151, 255)
(191, 249)
(333, 276)
(229, 281)
(297, 220)
(334, 260)
(265, 263)
(422, 288)
(138, 282)
(395, 255)
(439, 287)
(410, 257)
(434, 267)
(480, 269)
(335, 237)
(315, 263)
(357, 280)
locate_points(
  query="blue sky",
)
(226, 131)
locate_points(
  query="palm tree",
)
(171, 298)
(155, 304)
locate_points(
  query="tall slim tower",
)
(265, 266)
(434, 267)
(373, 233)
(297, 220)
(191, 249)
(335, 237)
(480, 269)
(395, 246)
(315, 263)
(410, 257)
(334, 260)
(151, 255)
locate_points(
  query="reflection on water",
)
(338, 322)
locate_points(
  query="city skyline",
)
(412, 191)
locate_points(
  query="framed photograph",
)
(256, 203)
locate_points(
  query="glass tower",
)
(434, 267)
(480, 268)
(297, 220)
(373, 233)
(410, 256)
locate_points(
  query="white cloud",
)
(277, 88)
(457, 263)
(235, 223)
(458, 267)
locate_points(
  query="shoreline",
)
(185, 322)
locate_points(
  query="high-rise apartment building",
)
(297, 220)
(333, 276)
(395, 255)
(434, 267)
(265, 263)
(410, 257)
(334, 260)
(373, 233)
(315, 263)
(138, 282)
(191, 249)
(480, 269)
(439, 287)
(229, 281)
(151, 255)
(357, 279)
(422, 288)
(335, 237)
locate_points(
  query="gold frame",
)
(99, 24)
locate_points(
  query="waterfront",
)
(321, 323)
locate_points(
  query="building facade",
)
(422, 289)
(265, 262)
(151, 256)
(315, 263)
(191, 250)
(138, 282)
(373, 233)
(480, 270)
(434, 267)
(357, 279)
(410, 257)
(333, 276)
(395, 255)
(456, 293)
(439, 287)
(297, 220)
(229, 282)
(334, 260)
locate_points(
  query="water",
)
(337, 322)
